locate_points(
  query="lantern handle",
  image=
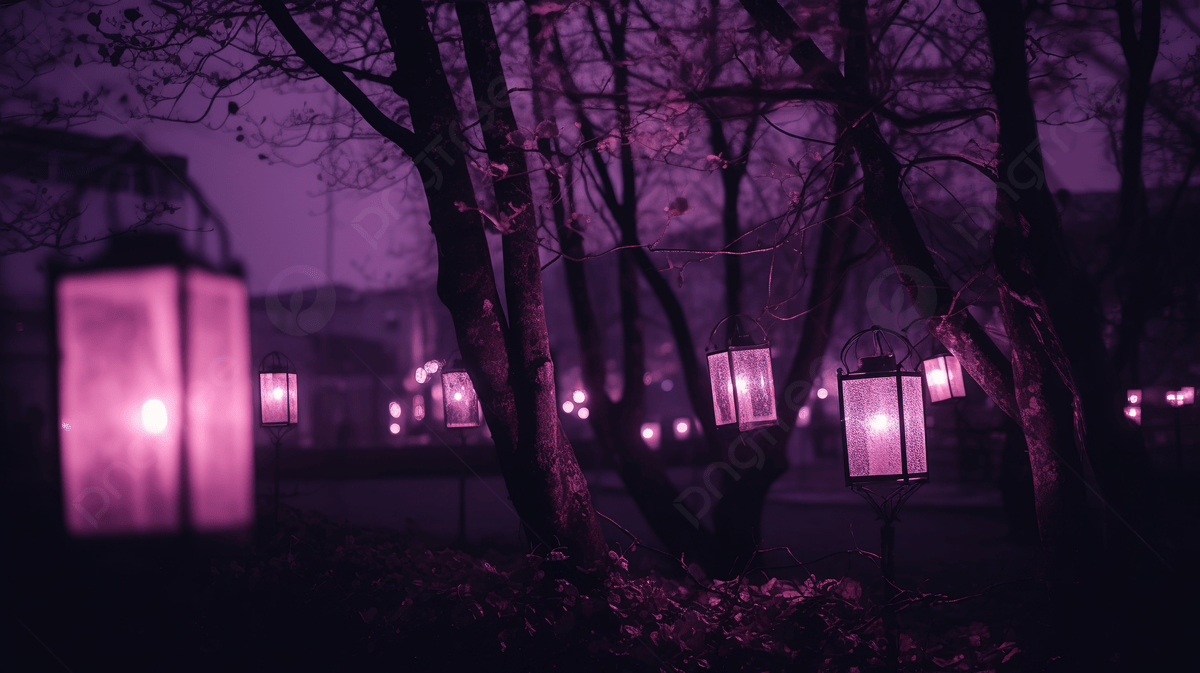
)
(736, 315)
(880, 337)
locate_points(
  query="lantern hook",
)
(713, 334)
(879, 335)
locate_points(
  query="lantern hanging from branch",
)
(743, 386)
(278, 394)
(944, 377)
(154, 406)
(459, 402)
(883, 414)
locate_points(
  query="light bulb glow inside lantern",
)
(154, 416)
(277, 394)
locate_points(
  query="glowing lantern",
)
(419, 407)
(1133, 396)
(683, 428)
(155, 412)
(743, 387)
(652, 435)
(459, 402)
(1134, 413)
(278, 396)
(1187, 394)
(883, 416)
(944, 377)
(1175, 398)
(394, 410)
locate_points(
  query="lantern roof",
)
(884, 359)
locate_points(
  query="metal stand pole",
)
(462, 493)
(887, 510)
(1178, 440)
(276, 442)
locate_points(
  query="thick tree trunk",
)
(551, 491)
(1036, 270)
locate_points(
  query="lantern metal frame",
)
(278, 363)
(729, 349)
(881, 365)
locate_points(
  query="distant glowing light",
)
(154, 416)
(647, 433)
(668, 385)
(394, 428)
(568, 407)
(277, 394)
(66, 426)
(579, 396)
(880, 423)
(1134, 396)
(421, 375)
(822, 393)
(1134, 413)
(431, 367)
(804, 417)
(395, 410)
(936, 377)
(681, 427)
(419, 407)
(584, 413)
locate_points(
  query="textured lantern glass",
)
(459, 401)
(743, 387)
(943, 375)
(884, 426)
(137, 394)
(279, 398)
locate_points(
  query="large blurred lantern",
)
(743, 387)
(883, 415)
(154, 405)
(278, 396)
(459, 402)
(944, 377)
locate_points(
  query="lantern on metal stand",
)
(155, 425)
(743, 386)
(883, 439)
(460, 406)
(278, 404)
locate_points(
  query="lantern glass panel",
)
(722, 388)
(119, 342)
(459, 401)
(1187, 395)
(277, 393)
(220, 450)
(914, 423)
(755, 387)
(872, 421)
